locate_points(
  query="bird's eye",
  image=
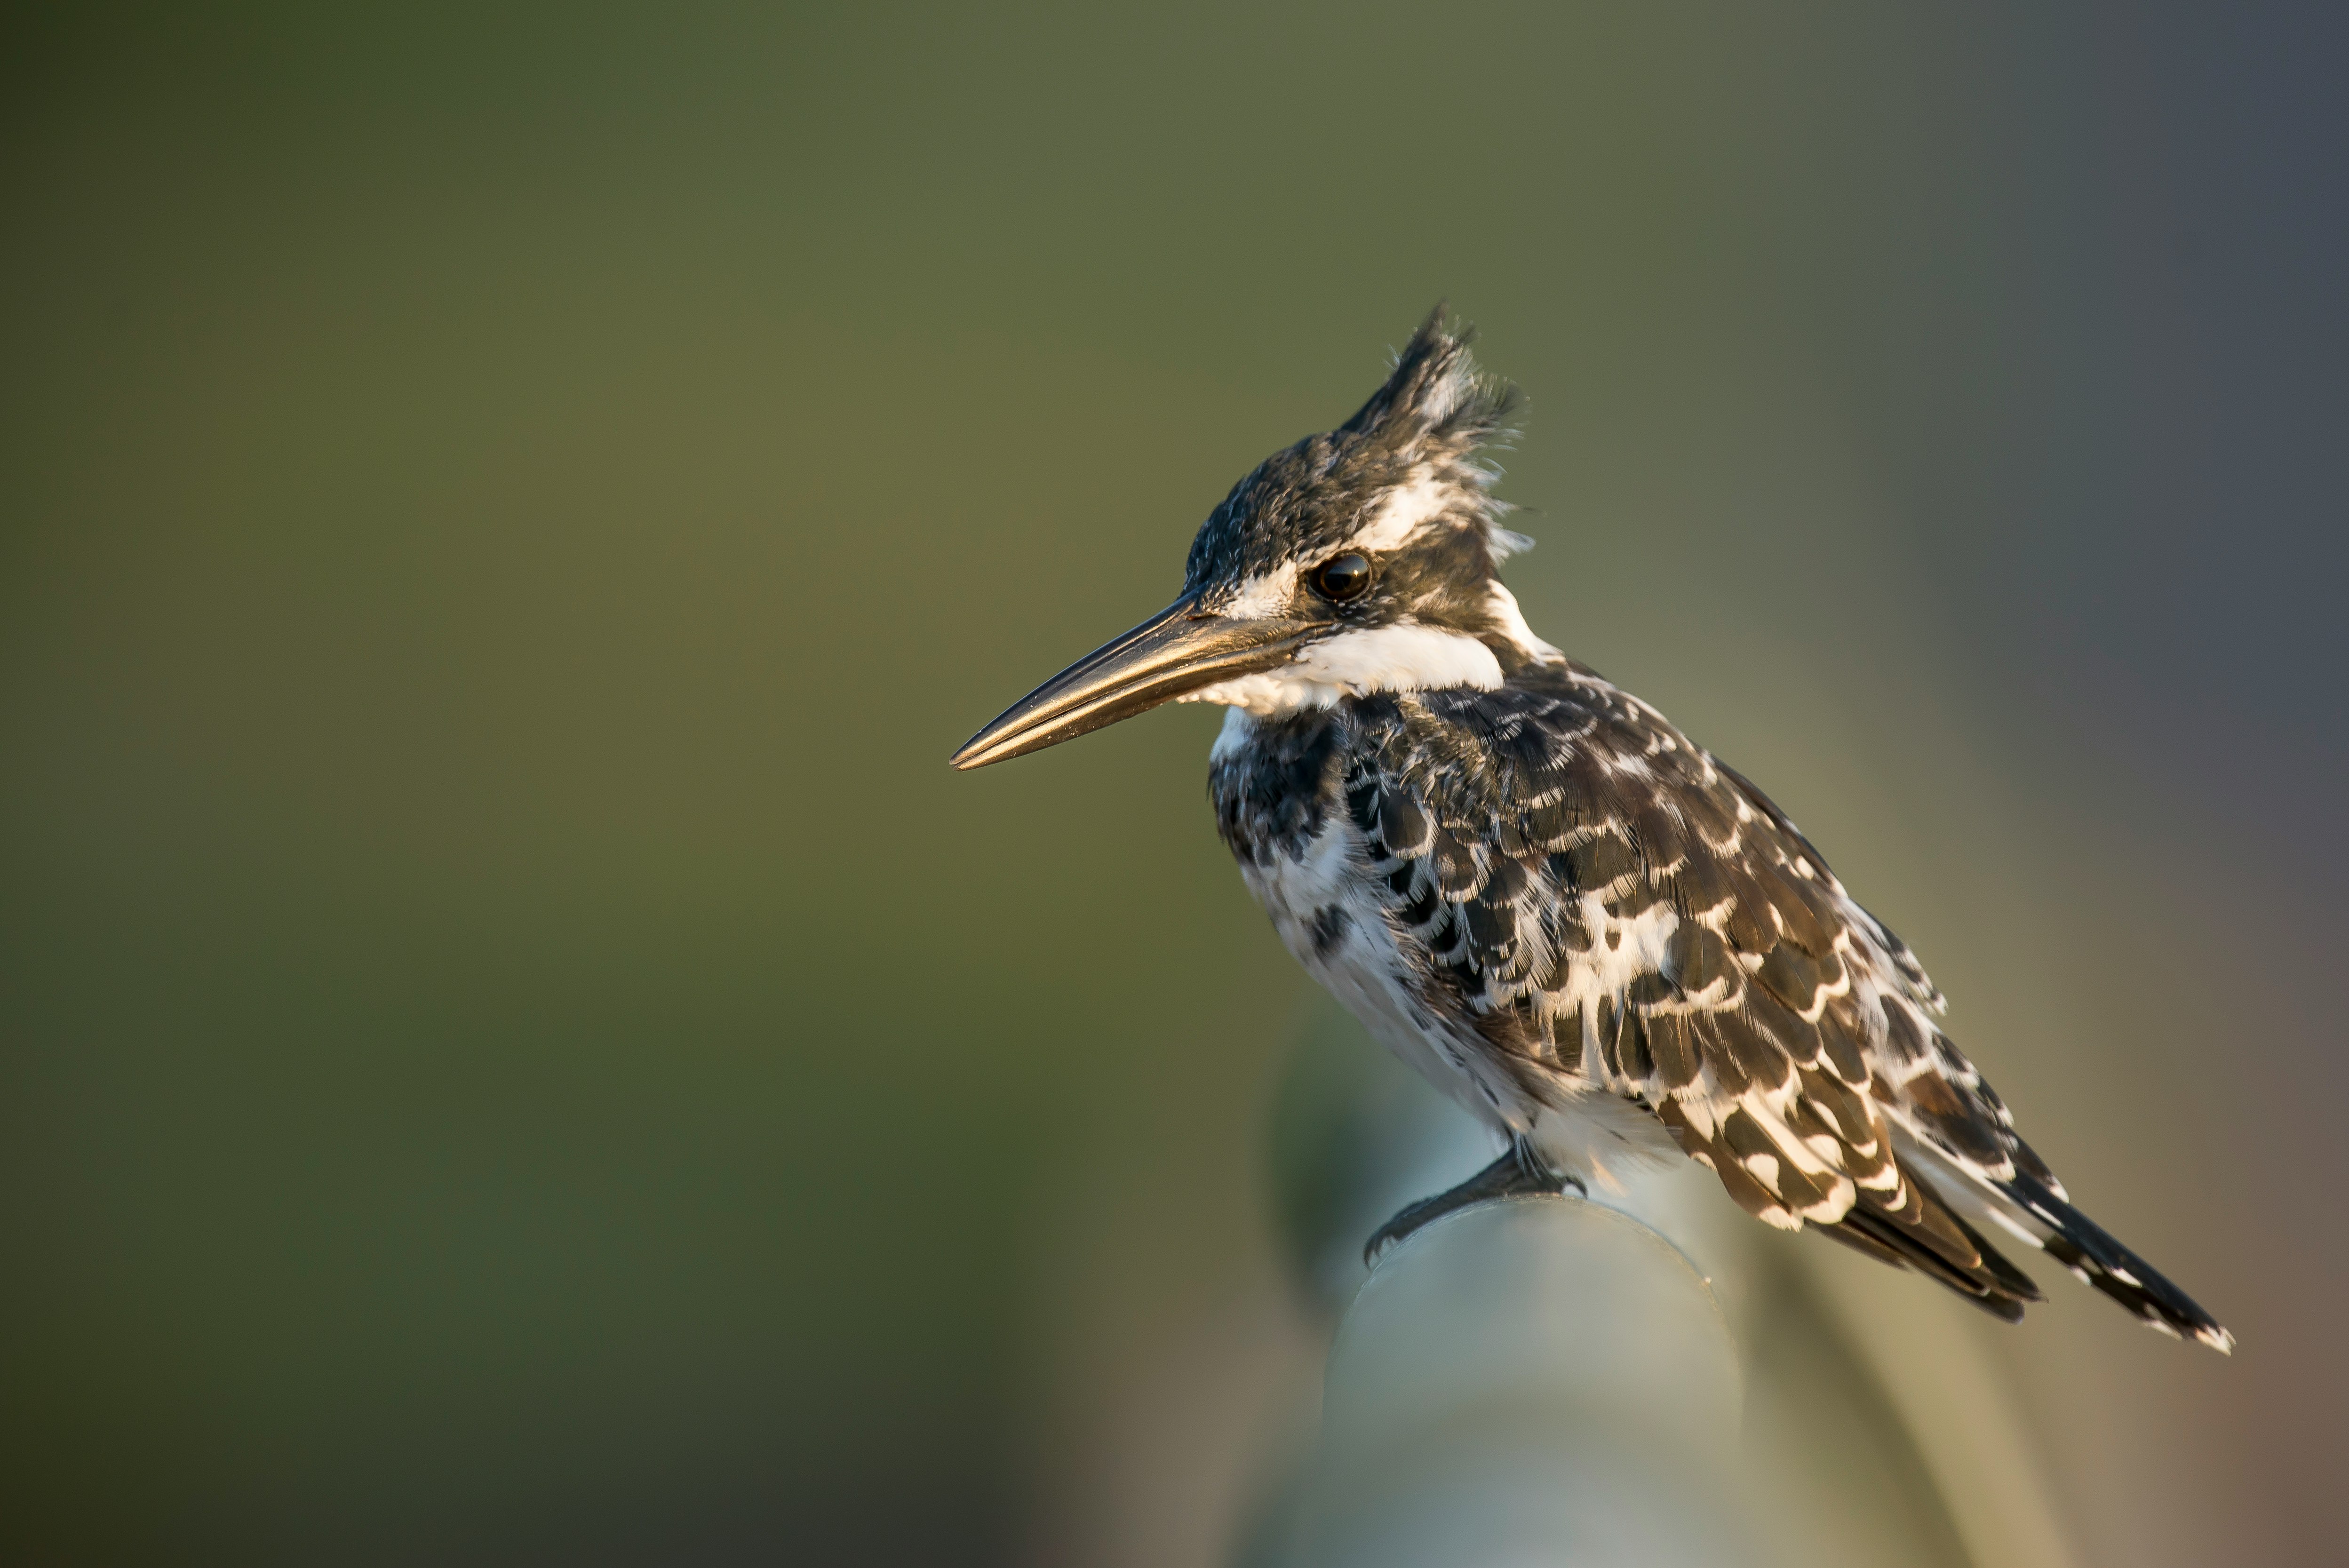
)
(1343, 578)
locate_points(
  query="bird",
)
(1608, 946)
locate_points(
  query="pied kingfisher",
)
(1604, 942)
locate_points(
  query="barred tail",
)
(2089, 1251)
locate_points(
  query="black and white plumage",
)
(1529, 884)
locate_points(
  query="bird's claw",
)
(1518, 1172)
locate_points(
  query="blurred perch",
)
(1645, 1378)
(1529, 1381)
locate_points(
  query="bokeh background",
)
(516, 1047)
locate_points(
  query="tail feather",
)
(1929, 1238)
(1870, 1233)
(2090, 1252)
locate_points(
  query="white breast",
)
(1327, 912)
(1327, 909)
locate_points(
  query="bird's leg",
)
(1518, 1171)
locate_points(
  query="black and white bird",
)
(1604, 942)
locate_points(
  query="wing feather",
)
(1604, 904)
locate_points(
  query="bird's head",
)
(1363, 559)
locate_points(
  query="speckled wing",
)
(1606, 904)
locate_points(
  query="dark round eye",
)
(1343, 578)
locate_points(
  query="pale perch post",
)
(1528, 1382)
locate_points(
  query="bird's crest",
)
(1436, 396)
(1409, 456)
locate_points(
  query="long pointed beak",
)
(1179, 650)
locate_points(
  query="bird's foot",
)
(1519, 1172)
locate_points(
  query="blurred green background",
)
(517, 1048)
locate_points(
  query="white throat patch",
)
(1357, 663)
